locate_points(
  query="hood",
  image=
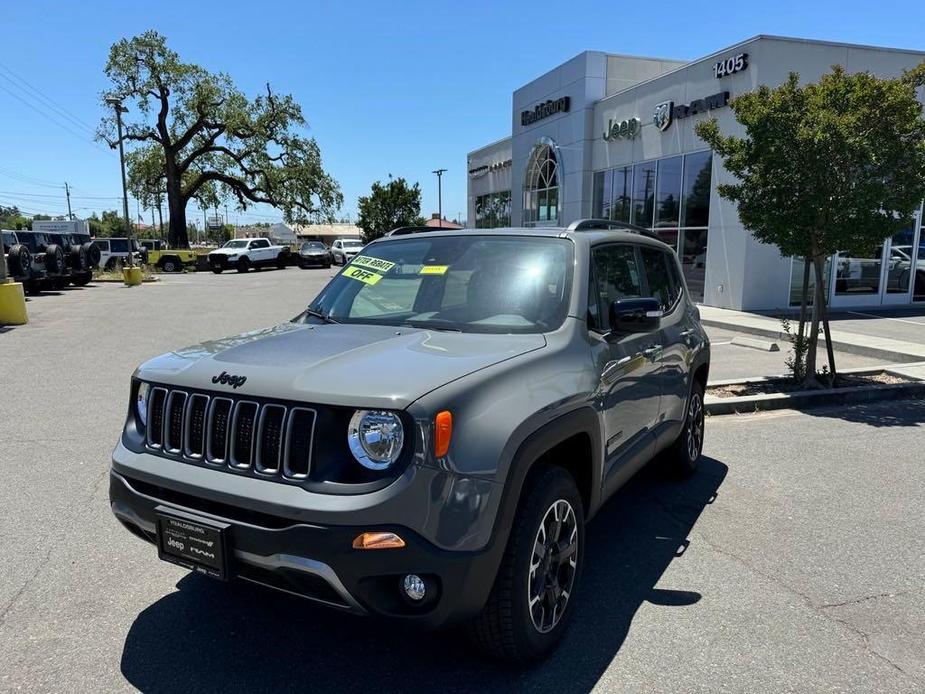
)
(336, 364)
(228, 251)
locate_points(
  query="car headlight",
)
(141, 402)
(375, 438)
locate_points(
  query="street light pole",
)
(439, 173)
(120, 109)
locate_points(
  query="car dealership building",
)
(612, 136)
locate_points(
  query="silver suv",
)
(428, 439)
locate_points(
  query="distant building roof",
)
(435, 221)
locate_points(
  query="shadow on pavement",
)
(887, 413)
(211, 636)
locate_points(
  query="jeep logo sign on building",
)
(544, 110)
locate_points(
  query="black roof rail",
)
(591, 224)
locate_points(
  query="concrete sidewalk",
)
(868, 344)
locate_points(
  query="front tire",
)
(684, 454)
(244, 265)
(170, 265)
(217, 270)
(532, 598)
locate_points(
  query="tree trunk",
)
(160, 220)
(819, 264)
(176, 205)
(809, 378)
(804, 297)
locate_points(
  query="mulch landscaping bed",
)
(786, 385)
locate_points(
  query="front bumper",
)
(316, 560)
(219, 261)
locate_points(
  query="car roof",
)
(582, 236)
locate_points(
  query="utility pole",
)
(120, 109)
(439, 173)
(67, 192)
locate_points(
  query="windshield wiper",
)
(315, 313)
(434, 324)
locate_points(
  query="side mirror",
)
(635, 316)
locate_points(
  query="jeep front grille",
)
(269, 440)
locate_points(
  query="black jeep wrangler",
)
(21, 265)
(81, 256)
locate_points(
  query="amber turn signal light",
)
(378, 541)
(443, 432)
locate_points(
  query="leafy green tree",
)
(12, 218)
(837, 165)
(111, 223)
(388, 206)
(194, 128)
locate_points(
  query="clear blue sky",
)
(386, 87)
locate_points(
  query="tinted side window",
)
(616, 276)
(119, 245)
(663, 283)
(103, 245)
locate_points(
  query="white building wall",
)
(497, 158)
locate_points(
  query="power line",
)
(49, 195)
(31, 180)
(61, 125)
(45, 98)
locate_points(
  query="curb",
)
(850, 347)
(746, 404)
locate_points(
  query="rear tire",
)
(217, 270)
(684, 454)
(281, 261)
(244, 265)
(532, 598)
(170, 265)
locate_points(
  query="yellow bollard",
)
(132, 276)
(12, 304)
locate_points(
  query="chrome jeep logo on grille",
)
(226, 379)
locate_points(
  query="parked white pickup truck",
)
(243, 254)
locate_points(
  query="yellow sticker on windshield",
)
(434, 270)
(363, 275)
(373, 263)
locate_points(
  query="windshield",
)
(313, 245)
(488, 284)
(237, 243)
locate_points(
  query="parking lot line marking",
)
(874, 315)
(716, 344)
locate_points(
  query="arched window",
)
(541, 186)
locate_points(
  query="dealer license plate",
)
(195, 543)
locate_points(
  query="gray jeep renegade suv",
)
(428, 439)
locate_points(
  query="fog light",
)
(414, 587)
(378, 541)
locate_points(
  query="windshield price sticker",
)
(373, 263)
(363, 275)
(434, 269)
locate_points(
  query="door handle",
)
(652, 351)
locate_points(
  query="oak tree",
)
(193, 128)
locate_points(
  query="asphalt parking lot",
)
(793, 561)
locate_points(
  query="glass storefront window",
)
(692, 250)
(643, 194)
(901, 261)
(541, 186)
(918, 285)
(695, 208)
(600, 197)
(668, 193)
(857, 275)
(622, 194)
(493, 210)
(796, 281)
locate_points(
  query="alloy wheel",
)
(695, 426)
(553, 566)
